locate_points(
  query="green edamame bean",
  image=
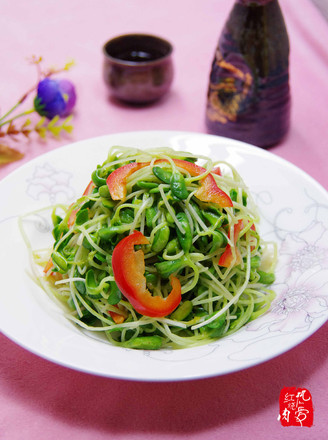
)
(233, 195)
(255, 261)
(101, 275)
(82, 216)
(151, 279)
(185, 239)
(163, 174)
(168, 267)
(202, 242)
(104, 192)
(86, 243)
(79, 285)
(266, 277)
(161, 239)
(199, 311)
(59, 230)
(107, 233)
(189, 159)
(213, 218)
(144, 343)
(59, 261)
(56, 219)
(150, 215)
(68, 252)
(97, 179)
(173, 247)
(91, 284)
(127, 215)
(244, 197)
(169, 217)
(136, 201)
(199, 212)
(156, 190)
(171, 198)
(178, 186)
(182, 311)
(219, 241)
(115, 295)
(219, 213)
(215, 328)
(101, 258)
(88, 204)
(143, 184)
(107, 203)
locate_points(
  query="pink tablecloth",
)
(41, 400)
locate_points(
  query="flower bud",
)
(55, 97)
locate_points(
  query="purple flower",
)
(55, 97)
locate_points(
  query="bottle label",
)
(230, 88)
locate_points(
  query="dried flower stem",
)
(42, 127)
(9, 121)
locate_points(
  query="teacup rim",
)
(137, 63)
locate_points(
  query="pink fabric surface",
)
(41, 400)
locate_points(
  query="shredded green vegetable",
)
(187, 238)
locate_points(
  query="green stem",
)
(9, 112)
(23, 98)
(27, 112)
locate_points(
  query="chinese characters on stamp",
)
(295, 407)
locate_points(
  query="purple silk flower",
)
(55, 97)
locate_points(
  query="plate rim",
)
(261, 151)
(165, 133)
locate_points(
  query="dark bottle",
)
(248, 94)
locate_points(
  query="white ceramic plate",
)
(294, 211)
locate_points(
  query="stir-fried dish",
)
(161, 250)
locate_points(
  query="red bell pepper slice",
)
(253, 228)
(208, 191)
(217, 171)
(129, 267)
(117, 317)
(116, 181)
(228, 258)
(48, 266)
(88, 190)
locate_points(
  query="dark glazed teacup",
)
(138, 68)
